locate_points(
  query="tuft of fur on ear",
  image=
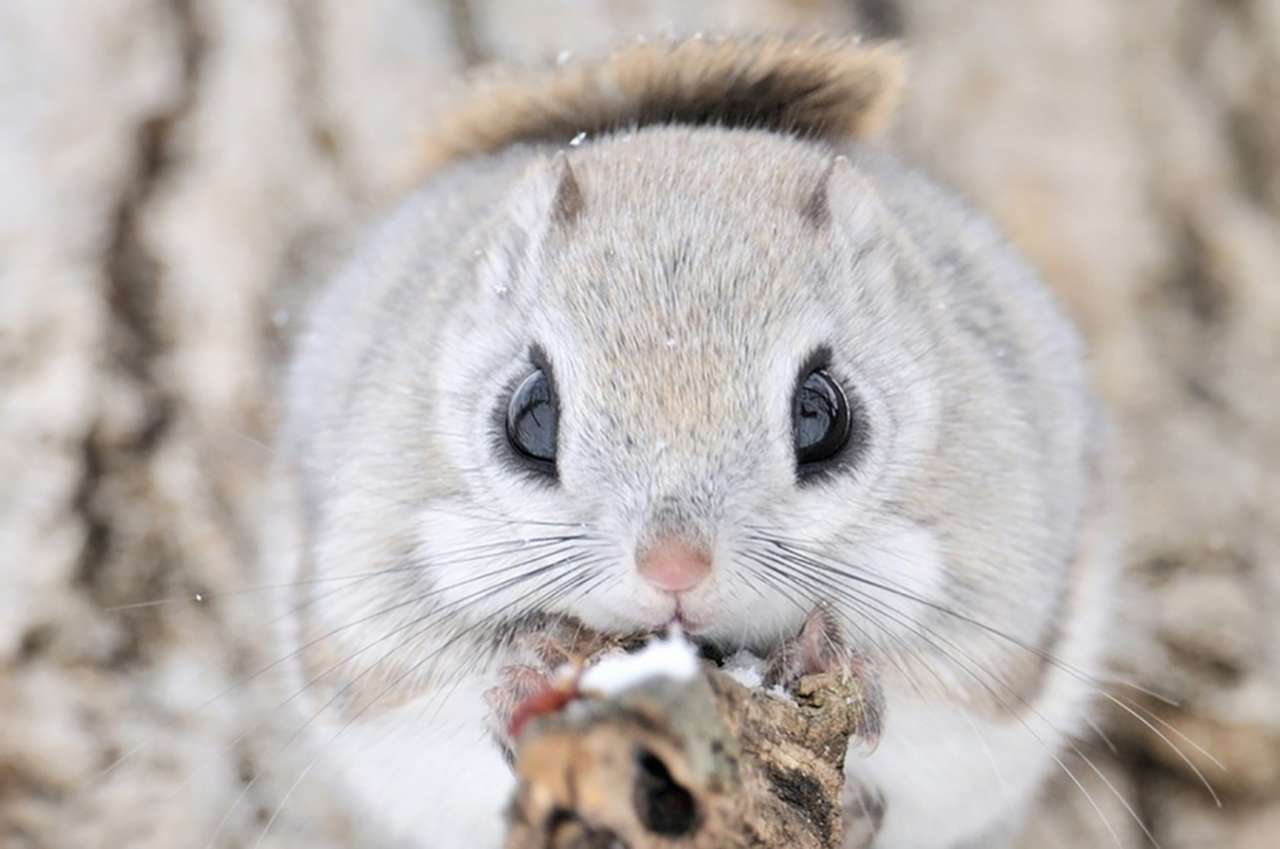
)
(820, 87)
(841, 193)
(568, 194)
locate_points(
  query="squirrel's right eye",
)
(531, 421)
(821, 420)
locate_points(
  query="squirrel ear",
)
(841, 193)
(547, 196)
(566, 203)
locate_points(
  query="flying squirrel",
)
(662, 338)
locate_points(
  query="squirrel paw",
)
(510, 702)
(821, 649)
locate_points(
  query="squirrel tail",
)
(821, 87)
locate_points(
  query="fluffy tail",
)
(822, 87)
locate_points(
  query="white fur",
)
(948, 776)
(676, 308)
(410, 764)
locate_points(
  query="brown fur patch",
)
(822, 87)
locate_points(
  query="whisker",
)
(452, 607)
(816, 596)
(438, 613)
(377, 697)
(1169, 701)
(251, 677)
(928, 635)
(461, 604)
(1102, 735)
(1048, 657)
(803, 547)
(485, 551)
(1040, 740)
(557, 593)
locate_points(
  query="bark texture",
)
(702, 764)
(178, 173)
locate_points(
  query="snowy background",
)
(176, 174)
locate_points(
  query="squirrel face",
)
(612, 403)
(654, 356)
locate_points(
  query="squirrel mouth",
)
(680, 619)
(707, 648)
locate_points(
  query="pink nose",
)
(673, 565)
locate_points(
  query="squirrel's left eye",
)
(820, 420)
(531, 421)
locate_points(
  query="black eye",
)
(821, 419)
(531, 420)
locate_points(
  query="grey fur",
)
(677, 286)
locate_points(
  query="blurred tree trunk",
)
(178, 173)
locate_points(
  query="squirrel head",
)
(699, 347)
(695, 365)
